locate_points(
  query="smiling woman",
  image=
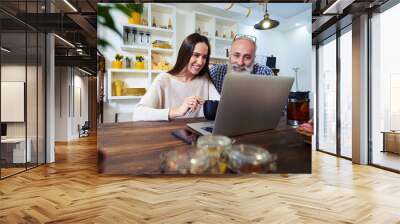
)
(181, 92)
(193, 47)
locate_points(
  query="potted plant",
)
(117, 63)
(136, 12)
(139, 64)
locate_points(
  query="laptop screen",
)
(3, 129)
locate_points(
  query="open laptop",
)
(249, 103)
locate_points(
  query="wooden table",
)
(135, 147)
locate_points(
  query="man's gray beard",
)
(237, 69)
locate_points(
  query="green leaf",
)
(135, 7)
(103, 43)
(105, 18)
(124, 9)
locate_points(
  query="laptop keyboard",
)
(209, 129)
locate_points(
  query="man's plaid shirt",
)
(218, 72)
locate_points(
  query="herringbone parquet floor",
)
(71, 191)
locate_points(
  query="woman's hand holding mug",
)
(190, 104)
(197, 105)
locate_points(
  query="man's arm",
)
(263, 70)
(217, 74)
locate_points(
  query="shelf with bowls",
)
(158, 71)
(124, 97)
(164, 33)
(224, 39)
(125, 70)
(219, 57)
(124, 84)
(135, 48)
(162, 50)
(220, 32)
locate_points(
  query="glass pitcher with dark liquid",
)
(298, 108)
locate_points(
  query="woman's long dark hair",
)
(186, 51)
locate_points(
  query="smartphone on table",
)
(186, 135)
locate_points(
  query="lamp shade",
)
(266, 23)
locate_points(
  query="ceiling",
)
(280, 11)
(286, 10)
(23, 48)
(80, 26)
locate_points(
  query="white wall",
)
(269, 42)
(33, 127)
(79, 117)
(15, 72)
(61, 103)
(184, 19)
(289, 43)
(70, 83)
(292, 47)
(298, 53)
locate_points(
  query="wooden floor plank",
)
(71, 191)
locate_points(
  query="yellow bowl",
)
(135, 91)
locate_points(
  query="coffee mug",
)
(210, 109)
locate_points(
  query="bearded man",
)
(241, 59)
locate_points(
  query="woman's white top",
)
(167, 92)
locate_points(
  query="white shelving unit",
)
(220, 32)
(163, 14)
(154, 30)
(161, 50)
(124, 97)
(124, 70)
(135, 48)
(133, 78)
(224, 39)
(220, 57)
(156, 71)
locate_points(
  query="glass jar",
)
(141, 40)
(135, 36)
(215, 146)
(199, 162)
(174, 162)
(148, 37)
(251, 159)
(126, 35)
(132, 36)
